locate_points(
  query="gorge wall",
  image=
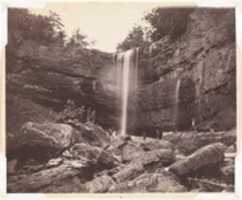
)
(190, 79)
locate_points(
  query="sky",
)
(106, 23)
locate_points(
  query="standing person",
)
(159, 133)
(144, 135)
(93, 116)
(88, 114)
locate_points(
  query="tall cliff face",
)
(190, 79)
(49, 76)
(193, 78)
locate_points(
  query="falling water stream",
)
(177, 100)
(125, 90)
(127, 81)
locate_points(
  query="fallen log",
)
(208, 155)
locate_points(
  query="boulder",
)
(159, 182)
(92, 134)
(159, 157)
(206, 156)
(228, 173)
(45, 140)
(128, 172)
(147, 161)
(94, 155)
(82, 150)
(11, 166)
(117, 145)
(39, 180)
(131, 151)
(69, 185)
(11, 144)
(150, 182)
(190, 141)
(100, 184)
(153, 144)
(231, 149)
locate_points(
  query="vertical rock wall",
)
(192, 78)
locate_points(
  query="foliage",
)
(73, 114)
(161, 22)
(35, 40)
(78, 40)
(167, 21)
(134, 39)
(24, 26)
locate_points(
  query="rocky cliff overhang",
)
(190, 79)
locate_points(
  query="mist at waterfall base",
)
(127, 73)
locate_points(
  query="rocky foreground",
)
(54, 157)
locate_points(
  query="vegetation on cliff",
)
(62, 108)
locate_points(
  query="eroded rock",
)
(156, 144)
(150, 182)
(93, 155)
(92, 134)
(43, 141)
(208, 155)
(190, 141)
(100, 184)
(36, 181)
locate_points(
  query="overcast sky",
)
(106, 23)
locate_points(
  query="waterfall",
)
(127, 81)
(177, 102)
(125, 90)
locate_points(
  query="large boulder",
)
(190, 141)
(130, 152)
(206, 156)
(92, 134)
(36, 182)
(45, 140)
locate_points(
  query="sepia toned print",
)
(154, 111)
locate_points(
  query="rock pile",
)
(54, 157)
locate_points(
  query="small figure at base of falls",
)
(159, 133)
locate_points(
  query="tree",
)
(167, 21)
(134, 39)
(24, 26)
(78, 40)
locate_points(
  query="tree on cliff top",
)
(78, 39)
(168, 21)
(35, 40)
(134, 39)
(161, 22)
(24, 26)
